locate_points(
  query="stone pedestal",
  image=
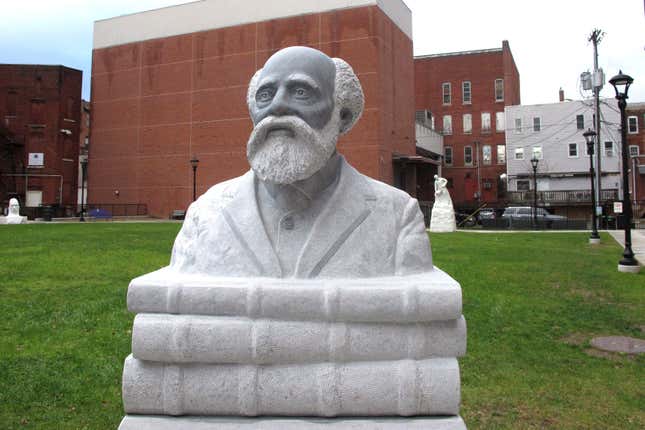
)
(261, 353)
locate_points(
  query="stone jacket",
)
(366, 229)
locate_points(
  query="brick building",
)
(84, 144)
(170, 84)
(40, 109)
(636, 141)
(463, 95)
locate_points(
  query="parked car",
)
(524, 215)
(487, 213)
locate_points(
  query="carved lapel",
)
(243, 217)
(345, 211)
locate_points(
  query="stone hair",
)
(347, 91)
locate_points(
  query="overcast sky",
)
(548, 38)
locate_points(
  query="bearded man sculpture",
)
(302, 211)
(13, 217)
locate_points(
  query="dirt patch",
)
(624, 344)
(576, 339)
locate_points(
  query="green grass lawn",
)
(532, 302)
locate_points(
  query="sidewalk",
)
(638, 242)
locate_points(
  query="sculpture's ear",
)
(346, 120)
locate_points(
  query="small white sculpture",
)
(13, 217)
(443, 214)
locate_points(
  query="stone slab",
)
(142, 422)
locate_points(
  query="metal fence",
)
(93, 210)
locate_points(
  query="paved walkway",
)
(638, 242)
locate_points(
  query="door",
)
(34, 198)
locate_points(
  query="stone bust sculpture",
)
(13, 216)
(14, 208)
(302, 211)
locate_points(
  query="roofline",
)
(452, 54)
(40, 65)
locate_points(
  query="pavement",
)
(638, 242)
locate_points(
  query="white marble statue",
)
(443, 213)
(302, 294)
(302, 211)
(13, 217)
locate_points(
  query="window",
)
(609, 149)
(537, 123)
(519, 153)
(518, 125)
(523, 185)
(447, 155)
(447, 124)
(632, 124)
(468, 123)
(466, 94)
(445, 90)
(12, 98)
(468, 155)
(573, 150)
(633, 151)
(580, 122)
(87, 141)
(486, 122)
(499, 90)
(501, 154)
(37, 111)
(499, 122)
(69, 113)
(487, 154)
(537, 152)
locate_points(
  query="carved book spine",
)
(204, 339)
(403, 303)
(404, 388)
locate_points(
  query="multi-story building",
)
(553, 134)
(170, 84)
(40, 108)
(636, 142)
(463, 96)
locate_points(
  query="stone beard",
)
(286, 149)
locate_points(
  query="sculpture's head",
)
(300, 102)
(14, 207)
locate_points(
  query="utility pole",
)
(597, 82)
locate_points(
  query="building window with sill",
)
(487, 154)
(446, 92)
(523, 185)
(468, 123)
(466, 93)
(518, 125)
(447, 124)
(501, 154)
(632, 124)
(499, 90)
(468, 155)
(573, 150)
(519, 153)
(486, 122)
(447, 155)
(580, 122)
(609, 149)
(537, 123)
(633, 151)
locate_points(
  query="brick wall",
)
(481, 69)
(40, 106)
(157, 103)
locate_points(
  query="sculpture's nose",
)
(280, 105)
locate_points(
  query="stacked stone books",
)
(263, 353)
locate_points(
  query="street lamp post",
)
(194, 162)
(589, 139)
(534, 164)
(621, 85)
(83, 175)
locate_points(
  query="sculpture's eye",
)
(301, 93)
(263, 95)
